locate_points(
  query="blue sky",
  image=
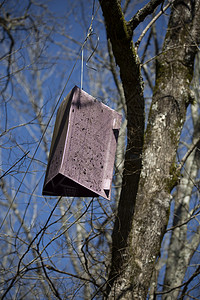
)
(58, 57)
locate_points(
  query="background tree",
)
(70, 248)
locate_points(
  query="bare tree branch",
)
(143, 13)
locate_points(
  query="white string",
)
(82, 68)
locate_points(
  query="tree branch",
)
(143, 13)
(185, 284)
(191, 149)
(150, 24)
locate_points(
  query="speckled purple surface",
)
(83, 148)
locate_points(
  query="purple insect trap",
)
(83, 147)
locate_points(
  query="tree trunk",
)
(182, 248)
(140, 225)
(126, 58)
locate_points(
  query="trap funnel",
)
(83, 147)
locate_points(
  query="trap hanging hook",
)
(94, 50)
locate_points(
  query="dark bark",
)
(130, 74)
(144, 205)
(143, 13)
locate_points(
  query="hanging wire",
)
(90, 33)
(90, 30)
(82, 69)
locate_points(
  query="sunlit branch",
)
(151, 23)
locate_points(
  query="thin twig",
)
(4, 174)
(183, 160)
(151, 23)
(70, 274)
(196, 273)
